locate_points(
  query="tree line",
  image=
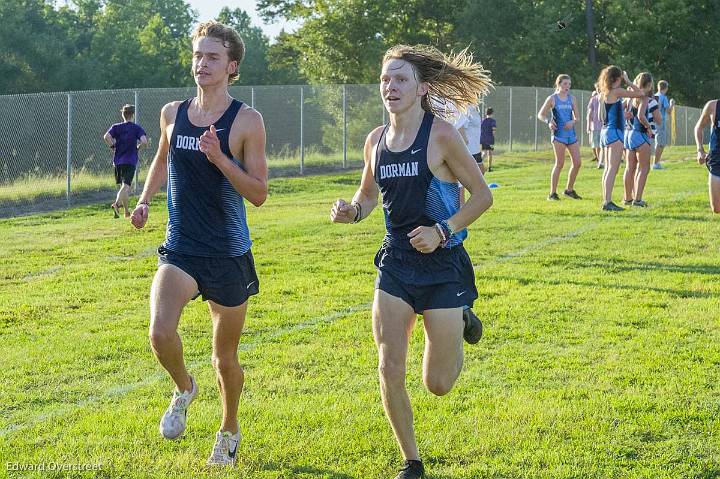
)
(104, 44)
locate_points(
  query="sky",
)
(209, 9)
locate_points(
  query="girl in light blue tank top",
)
(613, 117)
(561, 105)
(638, 139)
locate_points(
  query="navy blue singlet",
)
(206, 213)
(412, 195)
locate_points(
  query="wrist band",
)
(144, 202)
(448, 229)
(443, 236)
(358, 214)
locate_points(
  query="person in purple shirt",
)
(125, 139)
(487, 136)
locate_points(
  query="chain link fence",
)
(52, 154)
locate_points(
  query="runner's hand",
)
(210, 145)
(425, 239)
(701, 157)
(140, 215)
(569, 125)
(552, 125)
(342, 212)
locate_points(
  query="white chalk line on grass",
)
(536, 246)
(124, 389)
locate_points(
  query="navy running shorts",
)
(226, 281)
(713, 165)
(442, 279)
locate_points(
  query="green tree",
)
(254, 69)
(143, 43)
(342, 41)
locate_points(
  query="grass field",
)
(600, 357)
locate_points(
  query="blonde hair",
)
(453, 78)
(608, 76)
(560, 79)
(641, 81)
(229, 38)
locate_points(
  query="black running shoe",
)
(412, 470)
(472, 332)
(572, 194)
(612, 207)
(627, 202)
(639, 203)
(553, 197)
(601, 166)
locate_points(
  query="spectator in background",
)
(468, 124)
(487, 137)
(594, 125)
(661, 138)
(125, 139)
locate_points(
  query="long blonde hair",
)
(608, 76)
(641, 81)
(454, 78)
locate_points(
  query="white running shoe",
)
(225, 449)
(172, 424)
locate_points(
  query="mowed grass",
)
(601, 354)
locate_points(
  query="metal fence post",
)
(511, 115)
(686, 127)
(69, 147)
(302, 139)
(344, 100)
(137, 121)
(536, 120)
(582, 119)
(252, 97)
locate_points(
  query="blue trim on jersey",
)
(442, 202)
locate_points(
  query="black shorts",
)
(226, 281)
(486, 147)
(478, 158)
(713, 165)
(124, 174)
(442, 279)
